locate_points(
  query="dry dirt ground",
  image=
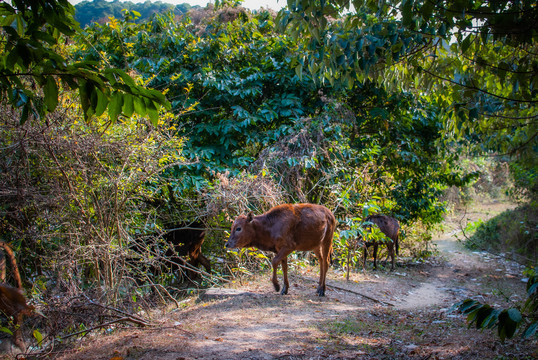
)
(406, 314)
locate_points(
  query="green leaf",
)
(7, 20)
(115, 105)
(442, 30)
(532, 288)
(123, 75)
(514, 315)
(491, 320)
(531, 330)
(128, 105)
(85, 90)
(6, 9)
(139, 106)
(407, 14)
(468, 305)
(102, 103)
(299, 71)
(51, 93)
(483, 313)
(40, 35)
(38, 337)
(152, 112)
(6, 330)
(466, 43)
(509, 320)
(13, 57)
(473, 113)
(25, 113)
(484, 35)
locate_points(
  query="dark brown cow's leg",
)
(365, 256)
(390, 249)
(205, 262)
(375, 255)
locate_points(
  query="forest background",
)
(131, 126)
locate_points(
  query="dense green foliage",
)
(240, 78)
(87, 12)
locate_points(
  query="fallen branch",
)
(363, 295)
(353, 292)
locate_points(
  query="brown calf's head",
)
(242, 232)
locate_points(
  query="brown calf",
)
(388, 226)
(286, 228)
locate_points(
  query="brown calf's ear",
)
(249, 217)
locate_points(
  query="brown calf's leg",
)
(282, 254)
(322, 272)
(324, 260)
(285, 274)
(18, 339)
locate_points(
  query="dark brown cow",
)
(187, 240)
(286, 228)
(183, 240)
(388, 226)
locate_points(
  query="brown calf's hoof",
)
(284, 290)
(277, 287)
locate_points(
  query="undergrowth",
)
(512, 232)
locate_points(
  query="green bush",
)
(513, 232)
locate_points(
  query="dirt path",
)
(410, 317)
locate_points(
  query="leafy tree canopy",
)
(33, 70)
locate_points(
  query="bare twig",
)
(125, 318)
(133, 318)
(160, 287)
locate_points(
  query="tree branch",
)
(478, 89)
